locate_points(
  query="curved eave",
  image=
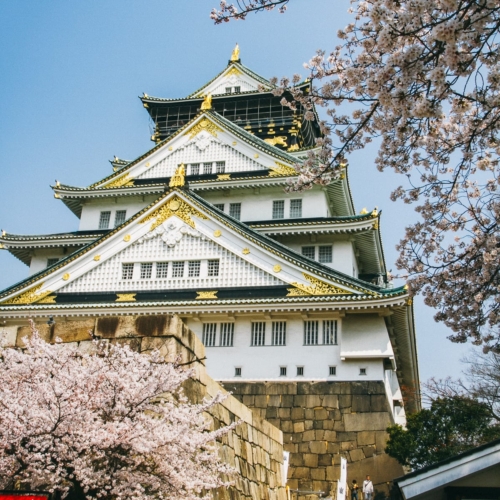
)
(340, 196)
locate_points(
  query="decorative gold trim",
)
(170, 148)
(207, 102)
(124, 180)
(293, 147)
(217, 233)
(281, 169)
(233, 71)
(317, 287)
(65, 276)
(234, 143)
(148, 164)
(126, 237)
(204, 124)
(245, 251)
(206, 295)
(224, 177)
(375, 224)
(235, 54)
(175, 206)
(125, 297)
(30, 296)
(279, 139)
(50, 299)
(255, 155)
(177, 180)
(277, 268)
(97, 258)
(363, 211)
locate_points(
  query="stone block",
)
(310, 460)
(44, 330)
(356, 455)
(367, 421)
(369, 451)
(360, 403)
(333, 473)
(333, 448)
(330, 436)
(298, 427)
(297, 414)
(325, 460)
(308, 436)
(320, 414)
(318, 447)
(345, 400)
(74, 331)
(300, 472)
(318, 474)
(346, 436)
(261, 401)
(381, 439)
(308, 425)
(284, 413)
(330, 401)
(287, 401)
(313, 401)
(379, 402)
(286, 426)
(365, 437)
(347, 445)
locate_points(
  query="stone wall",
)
(254, 448)
(322, 421)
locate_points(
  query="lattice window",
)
(237, 371)
(279, 333)
(228, 90)
(309, 252)
(207, 168)
(226, 334)
(219, 206)
(362, 371)
(295, 209)
(282, 371)
(146, 270)
(194, 268)
(235, 210)
(220, 167)
(279, 209)
(258, 333)
(195, 169)
(120, 217)
(325, 254)
(209, 334)
(161, 270)
(213, 267)
(330, 332)
(300, 371)
(237, 89)
(127, 271)
(311, 332)
(332, 370)
(104, 219)
(177, 269)
(52, 261)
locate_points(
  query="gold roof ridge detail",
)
(29, 296)
(204, 124)
(281, 169)
(125, 297)
(207, 295)
(124, 180)
(317, 287)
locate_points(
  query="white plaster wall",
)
(41, 255)
(343, 257)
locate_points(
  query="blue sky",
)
(70, 76)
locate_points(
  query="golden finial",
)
(363, 212)
(374, 212)
(177, 180)
(58, 184)
(3, 232)
(145, 95)
(207, 102)
(235, 56)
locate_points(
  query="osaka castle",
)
(279, 286)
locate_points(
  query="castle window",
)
(207, 168)
(332, 370)
(295, 209)
(162, 269)
(226, 334)
(177, 269)
(282, 371)
(279, 333)
(279, 209)
(325, 254)
(228, 90)
(127, 271)
(311, 332)
(194, 268)
(309, 252)
(258, 333)
(330, 332)
(51, 262)
(195, 169)
(146, 270)
(120, 217)
(104, 219)
(362, 371)
(300, 371)
(209, 334)
(220, 167)
(235, 210)
(213, 268)
(237, 90)
(219, 206)
(237, 371)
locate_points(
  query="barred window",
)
(194, 268)
(51, 262)
(309, 252)
(127, 271)
(279, 333)
(219, 206)
(146, 270)
(295, 209)
(300, 371)
(237, 90)
(209, 334)
(279, 209)
(207, 168)
(325, 254)
(362, 371)
(237, 371)
(332, 370)
(282, 371)
(120, 217)
(310, 332)
(226, 334)
(330, 332)
(162, 269)
(177, 269)
(228, 90)
(258, 333)
(220, 167)
(235, 210)
(213, 268)
(104, 219)
(195, 169)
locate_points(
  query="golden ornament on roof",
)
(177, 180)
(207, 102)
(235, 55)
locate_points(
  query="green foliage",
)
(450, 426)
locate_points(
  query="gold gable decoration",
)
(202, 125)
(124, 180)
(175, 206)
(233, 71)
(281, 169)
(29, 297)
(317, 287)
(178, 179)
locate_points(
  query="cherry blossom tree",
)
(421, 78)
(105, 422)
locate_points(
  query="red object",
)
(23, 495)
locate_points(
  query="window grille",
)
(325, 254)
(127, 271)
(207, 168)
(177, 269)
(120, 217)
(295, 209)
(162, 269)
(310, 332)
(300, 371)
(226, 334)
(194, 268)
(228, 90)
(219, 206)
(330, 332)
(332, 370)
(309, 252)
(220, 167)
(195, 169)
(362, 371)
(237, 371)
(209, 334)
(258, 333)
(146, 270)
(51, 262)
(237, 90)
(213, 268)
(282, 371)
(235, 210)
(104, 219)
(279, 333)
(279, 209)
